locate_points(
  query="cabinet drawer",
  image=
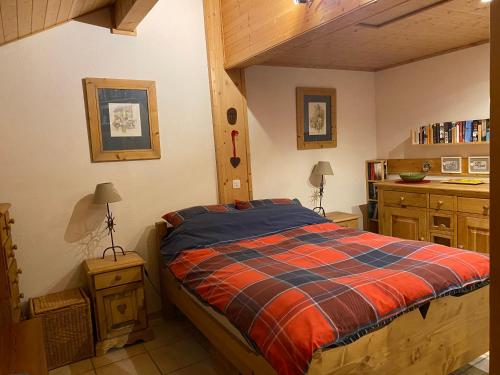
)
(442, 202)
(474, 206)
(115, 278)
(442, 239)
(404, 199)
(440, 221)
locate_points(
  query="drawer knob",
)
(21, 295)
(422, 238)
(460, 246)
(486, 209)
(16, 281)
(14, 247)
(19, 271)
(12, 221)
(442, 226)
(440, 203)
(401, 198)
(118, 277)
(11, 256)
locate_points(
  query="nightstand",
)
(117, 293)
(344, 219)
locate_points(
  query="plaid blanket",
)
(322, 285)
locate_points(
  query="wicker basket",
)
(67, 326)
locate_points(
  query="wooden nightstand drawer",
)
(442, 202)
(120, 277)
(124, 308)
(405, 199)
(474, 206)
(440, 221)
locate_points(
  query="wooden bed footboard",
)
(455, 331)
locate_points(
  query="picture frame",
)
(122, 119)
(479, 164)
(316, 118)
(451, 164)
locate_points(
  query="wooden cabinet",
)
(451, 215)
(474, 233)
(407, 223)
(117, 290)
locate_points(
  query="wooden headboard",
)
(161, 231)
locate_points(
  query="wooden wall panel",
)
(64, 11)
(129, 13)
(9, 19)
(227, 90)
(495, 191)
(24, 14)
(2, 39)
(38, 18)
(51, 14)
(76, 8)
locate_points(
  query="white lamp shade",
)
(106, 193)
(323, 168)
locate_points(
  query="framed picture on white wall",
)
(451, 164)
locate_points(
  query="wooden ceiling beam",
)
(129, 13)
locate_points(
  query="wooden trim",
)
(227, 90)
(411, 344)
(396, 166)
(495, 189)
(301, 92)
(94, 122)
(129, 13)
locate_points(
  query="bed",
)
(373, 304)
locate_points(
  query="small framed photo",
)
(451, 164)
(479, 164)
(123, 119)
(316, 118)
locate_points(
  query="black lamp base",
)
(320, 210)
(114, 251)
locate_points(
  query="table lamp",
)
(105, 194)
(323, 168)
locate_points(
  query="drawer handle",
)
(19, 271)
(122, 308)
(11, 256)
(14, 247)
(12, 221)
(118, 277)
(422, 238)
(486, 209)
(460, 246)
(21, 296)
(442, 226)
(440, 203)
(16, 281)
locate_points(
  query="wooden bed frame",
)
(454, 332)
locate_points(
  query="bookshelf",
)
(476, 132)
(375, 171)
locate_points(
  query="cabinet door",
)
(474, 233)
(406, 223)
(121, 310)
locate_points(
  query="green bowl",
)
(412, 176)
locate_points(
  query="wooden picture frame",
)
(316, 118)
(122, 119)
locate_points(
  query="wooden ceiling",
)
(409, 31)
(21, 18)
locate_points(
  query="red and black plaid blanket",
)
(322, 285)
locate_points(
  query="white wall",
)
(44, 149)
(451, 87)
(278, 168)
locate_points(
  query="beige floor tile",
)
(115, 355)
(78, 368)
(200, 368)
(483, 365)
(182, 354)
(169, 332)
(141, 364)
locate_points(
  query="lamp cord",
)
(146, 273)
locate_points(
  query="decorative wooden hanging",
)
(235, 161)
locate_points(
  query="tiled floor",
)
(179, 349)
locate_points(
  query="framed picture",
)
(122, 119)
(451, 164)
(316, 118)
(479, 164)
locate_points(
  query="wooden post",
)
(228, 91)
(495, 190)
